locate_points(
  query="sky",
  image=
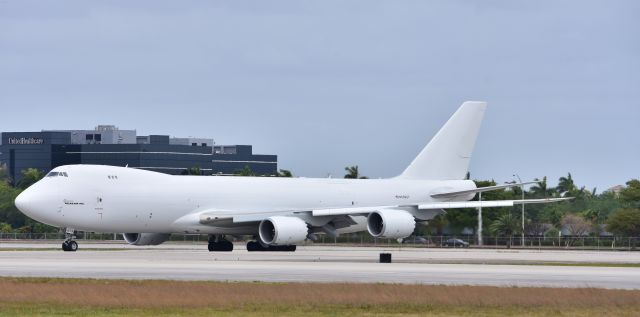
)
(327, 84)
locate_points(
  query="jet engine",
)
(282, 230)
(146, 238)
(390, 223)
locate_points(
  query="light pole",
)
(522, 190)
(480, 220)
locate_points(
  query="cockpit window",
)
(56, 174)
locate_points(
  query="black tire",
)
(73, 246)
(253, 246)
(282, 248)
(226, 246)
(221, 246)
(65, 246)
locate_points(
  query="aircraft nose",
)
(23, 201)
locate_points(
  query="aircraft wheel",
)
(253, 246)
(69, 246)
(227, 245)
(224, 245)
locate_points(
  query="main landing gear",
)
(219, 243)
(257, 246)
(69, 245)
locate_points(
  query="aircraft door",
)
(98, 207)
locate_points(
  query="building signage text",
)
(26, 141)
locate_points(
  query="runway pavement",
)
(325, 264)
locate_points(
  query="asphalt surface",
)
(323, 264)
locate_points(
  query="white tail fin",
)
(448, 154)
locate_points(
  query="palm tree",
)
(540, 189)
(506, 225)
(352, 172)
(246, 171)
(285, 173)
(566, 184)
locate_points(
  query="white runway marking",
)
(327, 264)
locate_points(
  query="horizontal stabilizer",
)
(488, 203)
(478, 190)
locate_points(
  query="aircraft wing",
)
(439, 205)
(229, 218)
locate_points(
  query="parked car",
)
(416, 240)
(455, 243)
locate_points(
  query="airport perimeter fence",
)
(530, 242)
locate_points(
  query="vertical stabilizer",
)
(448, 154)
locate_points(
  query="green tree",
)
(566, 184)
(5, 227)
(353, 172)
(285, 173)
(591, 215)
(506, 225)
(601, 206)
(540, 189)
(625, 222)
(29, 177)
(437, 225)
(631, 193)
(553, 214)
(4, 174)
(489, 215)
(32, 226)
(459, 219)
(192, 171)
(8, 211)
(246, 171)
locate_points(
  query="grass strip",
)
(84, 297)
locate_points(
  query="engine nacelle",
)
(389, 223)
(282, 230)
(146, 238)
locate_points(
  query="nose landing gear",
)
(69, 244)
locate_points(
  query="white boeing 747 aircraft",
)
(279, 212)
